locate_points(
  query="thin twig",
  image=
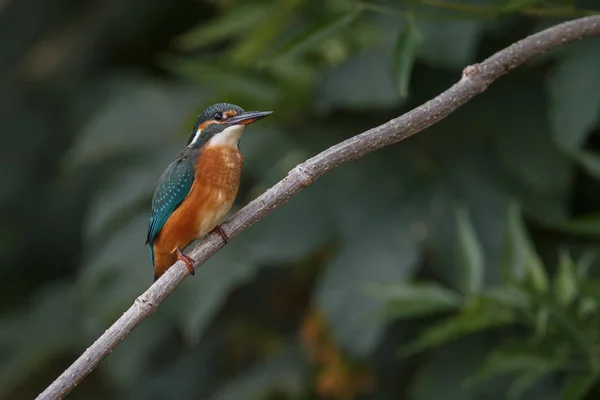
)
(475, 79)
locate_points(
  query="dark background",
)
(458, 264)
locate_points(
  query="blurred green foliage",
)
(459, 264)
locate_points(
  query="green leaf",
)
(587, 160)
(171, 378)
(588, 225)
(583, 265)
(517, 5)
(587, 307)
(196, 302)
(542, 184)
(405, 53)
(252, 49)
(516, 357)
(445, 370)
(224, 78)
(482, 315)
(577, 330)
(542, 321)
(140, 116)
(128, 363)
(116, 272)
(316, 35)
(449, 43)
(408, 300)
(578, 386)
(285, 370)
(290, 232)
(234, 22)
(384, 252)
(574, 90)
(38, 334)
(471, 254)
(523, 383)
(508, 296)
(565, 281)
(520, 261)
(344, 86)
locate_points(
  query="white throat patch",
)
(230, 136)
(196, 137)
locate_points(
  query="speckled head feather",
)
(215, 114)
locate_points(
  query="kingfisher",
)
(199, 187)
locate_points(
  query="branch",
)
(475, 79)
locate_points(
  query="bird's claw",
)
(220, 231)
(189, 263)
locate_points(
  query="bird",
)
(199, 187)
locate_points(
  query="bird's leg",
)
(220, 231)
(189, 263)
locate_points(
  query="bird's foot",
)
(189, 263)
(220, 231)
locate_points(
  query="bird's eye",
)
(218, 116)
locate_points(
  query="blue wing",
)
(173, 187)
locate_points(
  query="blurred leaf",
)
(385, 252)
(182, 374)
(542, 321)
(223, 77)
(289, 232)
(578, 386)
(485, 205)
(405, 53)
(587, 307)
(317, 34)
(542, 183)
(269, 154)
(508, 296)
(517, 5)
(565, 282)
(523, 384)
(513, 268)
(446, 370)
(583, 265)
(408, 300)
(471, 254)
(345, 86)
(37, 334)
(128, 363)
(574, 90)
(129, 191)
(517, 357)
(196, 301)
(520, 260)
(480, 316)
(449, 43)
(232, 22)
(113, 275)
(139, 116)
(285, 371)
(587, 160)
(588, 225)
(252, 48)
(576, 331)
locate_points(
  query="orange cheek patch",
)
(206, 123)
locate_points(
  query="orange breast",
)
(213, 192)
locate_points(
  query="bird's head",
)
(222, 123)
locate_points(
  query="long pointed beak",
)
(247, 117)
